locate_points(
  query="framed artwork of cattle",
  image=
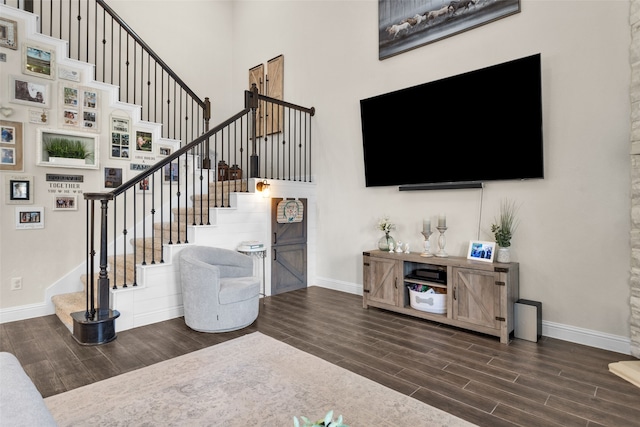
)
(406, 25)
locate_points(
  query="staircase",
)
(124, 267)
(139, 275)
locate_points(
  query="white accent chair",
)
(219, 290)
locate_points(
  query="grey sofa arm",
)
(21, 404)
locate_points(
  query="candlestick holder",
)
(427, 244)
(442, 241)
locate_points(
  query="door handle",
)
(275, 238)
(275, 254)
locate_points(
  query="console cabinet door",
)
(380, 277)
(477, 297)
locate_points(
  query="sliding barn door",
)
(288, 251)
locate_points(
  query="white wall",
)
(573, 242)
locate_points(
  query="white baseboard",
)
(569, 333)
(588, 337)
(24, 312)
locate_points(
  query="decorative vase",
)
(504, 255)
(385, 241)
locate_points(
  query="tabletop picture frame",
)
(481, 251)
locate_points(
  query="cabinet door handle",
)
(275, 238)
(275, 254)
(395, 283)
(455, 293)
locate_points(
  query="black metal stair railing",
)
(156, 207)
(97, 35)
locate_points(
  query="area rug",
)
(628, 370)
(253, 380)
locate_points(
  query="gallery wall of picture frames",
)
(59, 114)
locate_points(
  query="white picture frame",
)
(39, 61)
(29, 217)
(65, 202)
(481, 251)
(120, 138)
(29, 92)
(89, 141)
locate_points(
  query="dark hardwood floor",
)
(549, 383)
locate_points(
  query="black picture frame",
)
(20, 189)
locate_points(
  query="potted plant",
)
(63, 148)
(504, 227)
(328, 421)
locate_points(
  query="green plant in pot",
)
(504, 227)
(67, 148)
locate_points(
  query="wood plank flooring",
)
(549, 383)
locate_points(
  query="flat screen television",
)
(483, 125)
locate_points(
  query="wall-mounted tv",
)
(483, 125)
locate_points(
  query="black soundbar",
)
(442, 186)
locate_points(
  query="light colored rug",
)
(253, 380)
(629, 370)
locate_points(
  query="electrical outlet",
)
(16, 283)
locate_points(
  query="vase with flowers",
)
(503, 228)
(386, 242)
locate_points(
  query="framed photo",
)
(144, 141)
(144, 185)
(28, 92)
(427, 21)
(170, 173)
(8, 33)
(19, 189)
(70, 96)
(164, 150)
(113, 177)
(38, 61)
(120, 147)
(11, 147)
(65, 202)
(481, 251)
(28, 217)
(54, 146)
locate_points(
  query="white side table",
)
(258, 253)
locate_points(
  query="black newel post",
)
(103, 276)
(251, 101)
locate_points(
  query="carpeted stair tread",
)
(169, 231)
(65, 304)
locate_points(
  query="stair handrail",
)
(205, 105)
(143, 78)
(200, 146)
